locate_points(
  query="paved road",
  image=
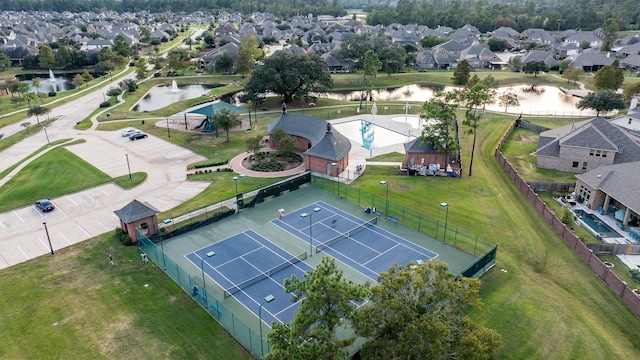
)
(88, 213)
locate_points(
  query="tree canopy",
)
(535, 67)
(461, 73)
(599, 101)
(327, 301)
(226, 119)
(440, 118)
(417, 311)
(609, 77)
(292, 76)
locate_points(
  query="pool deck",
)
(632, 261)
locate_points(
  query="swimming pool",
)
(597, 225)
(381, 136)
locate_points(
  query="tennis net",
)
(346, 235)
(285, 264)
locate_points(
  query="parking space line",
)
(23, 253)
(87, 195)
(1, 224)
(21, 219)
(38, 211)
(104, 192)
(70, 199)
(101, 224)
(164, 201)
(61, 234)
(84, 231)
(43, 244)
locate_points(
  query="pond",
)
(544, 100)
(163, 95)
(47, 84)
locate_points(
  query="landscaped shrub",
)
(124, 238)
(105, 104)
(52, 93)
(635, 273)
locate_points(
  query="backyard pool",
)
(597, 225)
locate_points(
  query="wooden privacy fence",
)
(614, 249)
(618, 286)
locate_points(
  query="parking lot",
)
(85, 214)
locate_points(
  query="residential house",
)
(208, 61)
(567, 49)
(479, 56)
(539, 36)
(613, 187)
(97, 44)
(585, 38)
(539, 55)
(590, 62)
(586, 145)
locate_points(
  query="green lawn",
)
(74, 305)
(55, 173)
(549, 304)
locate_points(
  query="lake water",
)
(547, 100)
(163, 95)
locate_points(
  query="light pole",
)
(45, 134)
(235, 180)
(386, 211)
(168, 131)
(446, 219)
(128, 167)
(267, 299)
(204, 284)
(335, 165)
(48, 238)
(304, 215)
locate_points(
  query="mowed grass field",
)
(548, 304)
(54, 173)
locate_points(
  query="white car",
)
(129, 132)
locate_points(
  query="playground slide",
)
(208, 127)
(202, 123)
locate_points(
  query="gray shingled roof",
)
(597, 133)
(326, 142)
(416, 146)
(134, 211)
(619, 181)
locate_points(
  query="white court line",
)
(70, 199)
(87, 195)
(1, 224)
(23, 253)
(104, 192)
(83, 230)
(21, 219)
(61, 234)
(101, 224)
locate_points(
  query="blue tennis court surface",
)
(250, 267)
(365, 247)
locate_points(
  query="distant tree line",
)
(282, 8)
(489, 15)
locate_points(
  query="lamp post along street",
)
(267, 299)
(446, 220)
(168, 129)
(128, 167)
(204, 284)
(45, 134)
(386, 208)
(48, 238)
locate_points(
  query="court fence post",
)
(419, 221)
(455, 237)
(437, 223)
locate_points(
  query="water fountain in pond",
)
(174, 86)
(52, 78)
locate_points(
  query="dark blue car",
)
(45, 205)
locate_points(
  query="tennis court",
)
(359, 243)
(249, 267)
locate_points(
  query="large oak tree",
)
(418, 312)
(292, 76)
